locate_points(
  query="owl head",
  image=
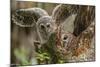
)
(45, 27)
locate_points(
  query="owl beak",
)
(65, 43)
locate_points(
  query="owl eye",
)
(65, 37)
(42, 26)
(48, 25)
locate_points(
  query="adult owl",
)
(80, 48)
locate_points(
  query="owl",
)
(80, 48)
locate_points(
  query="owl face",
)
(67, 40)
(45, 27)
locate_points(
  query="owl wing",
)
(89, 32)
(85, 43)
(85, 15)
(27, 17)
(64, 15)
(84, 30)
